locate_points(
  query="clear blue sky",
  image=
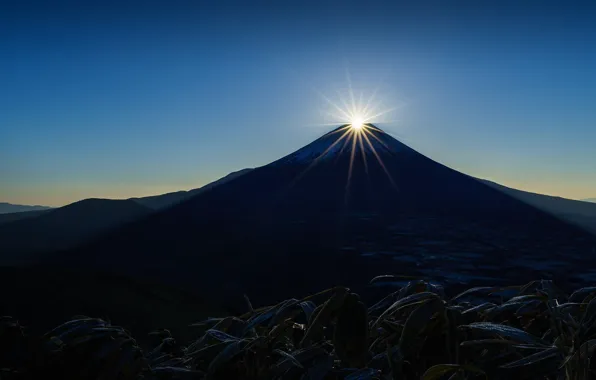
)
(103, 99)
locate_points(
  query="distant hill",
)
(580, 213)
(156, 202)
(6, 208)
(64, 227)
(590, 200)
(14, 216)
(162, 201)
(25, 234)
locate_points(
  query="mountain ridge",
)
(168, 199)
(64, 227)
(402, 213)
(9, 208)
(25, 235)
(14, 216)
(576, 212)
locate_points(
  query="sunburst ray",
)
(352, 154)
(381, 113)
(343, 148)
(351, 91)
(342, 111)
(341, 129)
(375, 137)
(362, 151)
(365, 110)
(350, 167)
(356, 131)
(380, 160)
(316, 160)
(347, 109)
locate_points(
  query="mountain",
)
(6, 208)
(580, 213)
(351, 205)
(158, 202)
(24, 234)
(221, 181)
(64, 227)
(14, 216)
(590, 200)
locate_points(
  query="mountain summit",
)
(353, 204)
(367, 140)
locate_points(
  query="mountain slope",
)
(26, 233)
(14, 216)
(303, 222)
(162, 201)
(64, 227)
(580, 213)
(6, 208)
(158, 202)
(590, 200)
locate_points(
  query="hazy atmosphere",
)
(123, 99)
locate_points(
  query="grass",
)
(531, 331)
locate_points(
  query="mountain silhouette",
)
(6, 208)
(64, 227)
(25, 235)
(158, 202)
(340, 210)
(580, 213)
(14, 216)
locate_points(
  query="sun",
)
(355, 113)
(356, 130)
(357, 122)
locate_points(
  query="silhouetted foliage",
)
(415, 332)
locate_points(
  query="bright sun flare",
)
(357, 122)
(356, 131)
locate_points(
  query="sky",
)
(131, 98)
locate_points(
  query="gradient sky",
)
(132, 98)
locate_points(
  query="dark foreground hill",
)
(341, 211)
